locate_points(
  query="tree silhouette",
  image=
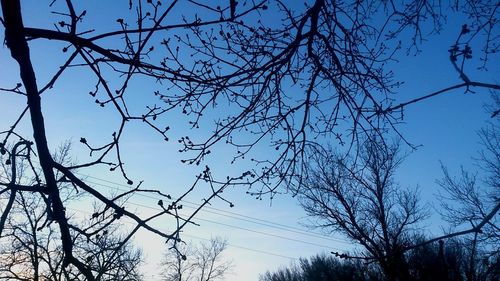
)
(360, 199)
(323, 268)
(30, 251)
(203, 262)
(468, 201)
(309, 73)
(445, 261)
(30, 248)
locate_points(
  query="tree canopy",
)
(287, 77)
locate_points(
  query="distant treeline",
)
(450, 261)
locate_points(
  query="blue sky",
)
(445, 126)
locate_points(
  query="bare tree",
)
(323, 267)
(110, 258)
(196, 56)
(360, 199)
(471, 199)
(30, 248)
(197, 263)
(445, 261)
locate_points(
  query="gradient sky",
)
(444, 126)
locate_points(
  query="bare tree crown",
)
(291, 82)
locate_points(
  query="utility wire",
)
(247, 229)
(229, 214)
(219, 223)
(242, 228)
(268, 223)
(206, 239)
(244, 248)
(237, 227)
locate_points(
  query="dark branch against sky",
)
(239, 95)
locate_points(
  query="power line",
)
(244, 248)
(246, 229)
(268, 223)
(233, 226)
(231, 214)
(273, 225)
(242, 228)
(206, 239)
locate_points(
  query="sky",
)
(261, 234)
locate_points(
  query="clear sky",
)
(262, 234)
